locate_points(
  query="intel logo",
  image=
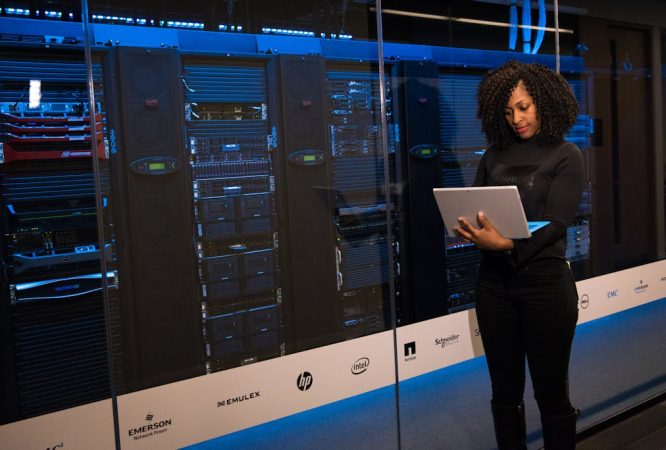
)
(360, 366)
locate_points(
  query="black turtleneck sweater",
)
(550, 181)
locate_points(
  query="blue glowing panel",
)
(542, 24)
(513, 25)
(527, 23)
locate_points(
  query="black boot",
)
(559, 432)
(509, 426)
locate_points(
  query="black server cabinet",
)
(160, 312)
(231, 149)
(297, 93)
(418, 171)
(53, 345)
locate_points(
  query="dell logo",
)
(304, 381)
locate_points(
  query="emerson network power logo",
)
(152, 428)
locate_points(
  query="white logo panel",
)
(213, 405)
(81, 428)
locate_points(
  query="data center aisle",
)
(643, 431)
(448, 408)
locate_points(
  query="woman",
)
(526, 299)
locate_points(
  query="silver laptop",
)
(501, 204)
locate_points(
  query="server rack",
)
(298, 108)
(54, 352)
(288, 166)
(233, 185)
(159, 306)
(365, 242)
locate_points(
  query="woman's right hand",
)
(485, 237)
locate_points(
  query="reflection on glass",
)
(525, 27)
(250, 208)
(360, 201)
(277, 160)
(618, 84)
(54, 353)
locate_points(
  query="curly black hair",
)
(555, 103)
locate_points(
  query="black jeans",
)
(528, 312)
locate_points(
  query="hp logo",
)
(304, 381)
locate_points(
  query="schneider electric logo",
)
(360, 366)
(304, 381)
(152, 428)
(447, 341)
(239, 399)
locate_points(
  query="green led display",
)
(156, 166)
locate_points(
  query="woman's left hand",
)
(485, 237)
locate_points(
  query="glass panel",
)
(624, 193)
(441, 51)
(620, 60)
(453, 44)
(251, 192)
(55, 362)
